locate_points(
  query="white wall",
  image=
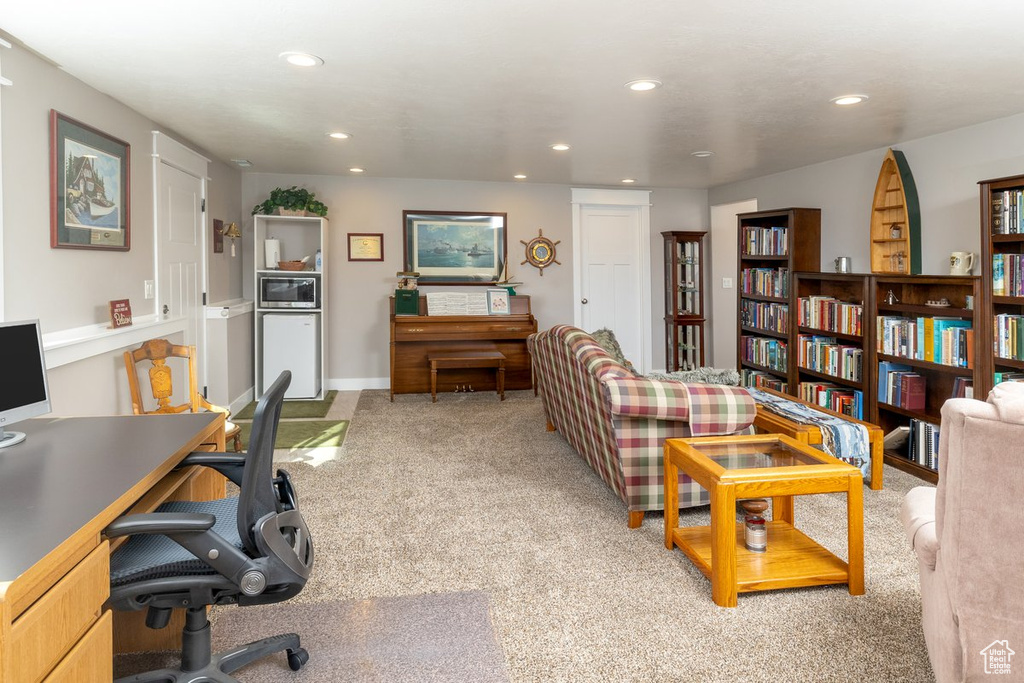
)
(358, 315)
(71, 288)
(946, 170)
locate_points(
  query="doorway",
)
(724, 281)
(611, 268)
(180, 179)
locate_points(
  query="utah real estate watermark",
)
(996, 656)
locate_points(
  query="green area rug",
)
(293, 409)
(304, 433)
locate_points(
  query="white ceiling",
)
(478, 89)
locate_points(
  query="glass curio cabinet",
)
(684, 299)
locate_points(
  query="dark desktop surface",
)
(69, 470)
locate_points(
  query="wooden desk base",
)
(463, 360)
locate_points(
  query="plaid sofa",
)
(618, 421)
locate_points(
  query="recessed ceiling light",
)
(560, 147)
(629, 180)
(301, 59)
(643, 84)
(356, 170)
(847, 100)
(703, 154)
(519, 176)
(339, 135)
(244, 163)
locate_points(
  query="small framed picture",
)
(366, 246)
(497, 302)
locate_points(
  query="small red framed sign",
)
(366, 246)
(120, 313)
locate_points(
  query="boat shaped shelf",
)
(895, 219)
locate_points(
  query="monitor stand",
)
(10, 438)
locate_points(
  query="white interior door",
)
(612, 238)
(180, 222)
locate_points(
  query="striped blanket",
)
(841, 438)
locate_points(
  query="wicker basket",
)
(291, 265)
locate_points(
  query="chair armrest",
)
(710, 409)
(231, 465)
(160, 523)
(917, 512)
(647, 398)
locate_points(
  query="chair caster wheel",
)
(297, 658)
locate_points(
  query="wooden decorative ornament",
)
(540, 252)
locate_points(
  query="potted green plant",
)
(294, 201)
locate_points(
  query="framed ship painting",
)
(455, 247)
(90, 197)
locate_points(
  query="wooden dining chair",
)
(157, 352)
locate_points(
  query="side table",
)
(760, 466)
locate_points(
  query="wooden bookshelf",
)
(909, 300)
(781, 241)
(1002, 238)
(842, 304)
(895, 219)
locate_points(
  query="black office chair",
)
(250, 550)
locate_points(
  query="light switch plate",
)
(150, 289)
(726, 283)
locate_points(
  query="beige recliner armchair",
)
(968, 534)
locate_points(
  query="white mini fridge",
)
(291, 341)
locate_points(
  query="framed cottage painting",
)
(455, 247)
(90, 197)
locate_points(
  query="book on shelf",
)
(998, 279)
(840, 399)
(896, 440)
(884, 369)
(1009, 377)
(924, 444)
(911, 391)
(963, 387)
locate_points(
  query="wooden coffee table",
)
(762, 466)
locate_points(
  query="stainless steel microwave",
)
(281, 291)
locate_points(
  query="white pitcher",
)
(961, 262)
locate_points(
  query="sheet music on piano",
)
(456, 303)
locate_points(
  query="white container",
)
(272, 248)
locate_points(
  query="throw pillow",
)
(605, 338)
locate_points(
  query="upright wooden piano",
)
(414, 337)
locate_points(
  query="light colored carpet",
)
(473, 495)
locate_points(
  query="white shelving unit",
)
(299, 236)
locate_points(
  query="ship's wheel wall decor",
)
(540, 252)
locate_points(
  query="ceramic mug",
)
(844, 264)
(961, 263)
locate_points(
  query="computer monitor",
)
(23, 389)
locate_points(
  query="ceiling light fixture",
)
(629, 180)
(339, 135)
(847, 100)
(519, 176)
(560, 147)
(643, 84)
(356, 170)
(301, 59)
(702, 154)
(242, 163)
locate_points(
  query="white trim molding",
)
(79, 343)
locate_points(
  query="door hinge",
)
(204, 298)
(202, 206)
